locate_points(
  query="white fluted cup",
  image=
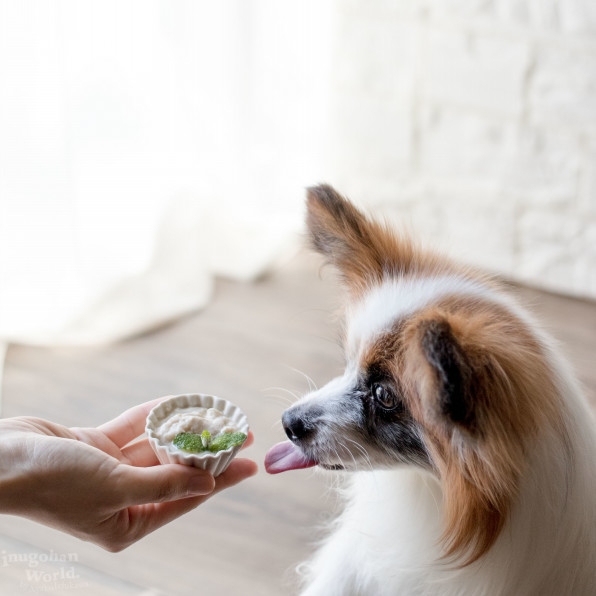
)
(168, 453)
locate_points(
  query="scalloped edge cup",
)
(215, 463)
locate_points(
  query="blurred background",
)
(146, 146)
(139, 138)
(153, 160)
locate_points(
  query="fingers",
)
(240, 469)
(143, 519)
(249, 440)
(158, 484)
(130, 424)
(170, 482)
(140, 454)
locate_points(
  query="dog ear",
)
(363, 250)
(340, 232)
(482, 372)
(451, 371)
(450, 379)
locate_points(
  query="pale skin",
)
(99, 484)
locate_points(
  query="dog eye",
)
(384, 396)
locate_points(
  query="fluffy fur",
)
(471, 449)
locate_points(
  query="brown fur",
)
(480, 466)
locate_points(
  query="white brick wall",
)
(475, 122)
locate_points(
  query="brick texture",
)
(474, 122)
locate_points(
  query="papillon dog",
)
(470, 449)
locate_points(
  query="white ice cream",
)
(194, 420)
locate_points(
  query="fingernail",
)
(201, 485)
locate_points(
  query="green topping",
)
(198, 443)
(226, 440)
(189, 442)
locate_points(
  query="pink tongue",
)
(286, 456)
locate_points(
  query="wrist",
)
(15, 466)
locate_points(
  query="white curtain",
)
(146, 146)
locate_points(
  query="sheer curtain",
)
(146, 146)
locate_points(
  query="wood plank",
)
(28, 569)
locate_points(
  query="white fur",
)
(386, 541)
(396, 298)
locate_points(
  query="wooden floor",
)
(249, 345)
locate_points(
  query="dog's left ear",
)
(444, 371)
(452, 371)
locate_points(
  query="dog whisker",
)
(363, 451)
(345, 447)
(339, 458)
(284, 399)
(312, 386)
(275, 423)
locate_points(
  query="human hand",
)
(98, 483)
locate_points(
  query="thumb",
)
(161, 483)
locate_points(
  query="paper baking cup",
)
(216, 463)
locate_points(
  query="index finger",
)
(130, 424)
(249, 440)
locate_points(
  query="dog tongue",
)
(286, 456)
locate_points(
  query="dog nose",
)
(295, 426)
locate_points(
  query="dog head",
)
(442, 372)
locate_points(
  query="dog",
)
(471, 450)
